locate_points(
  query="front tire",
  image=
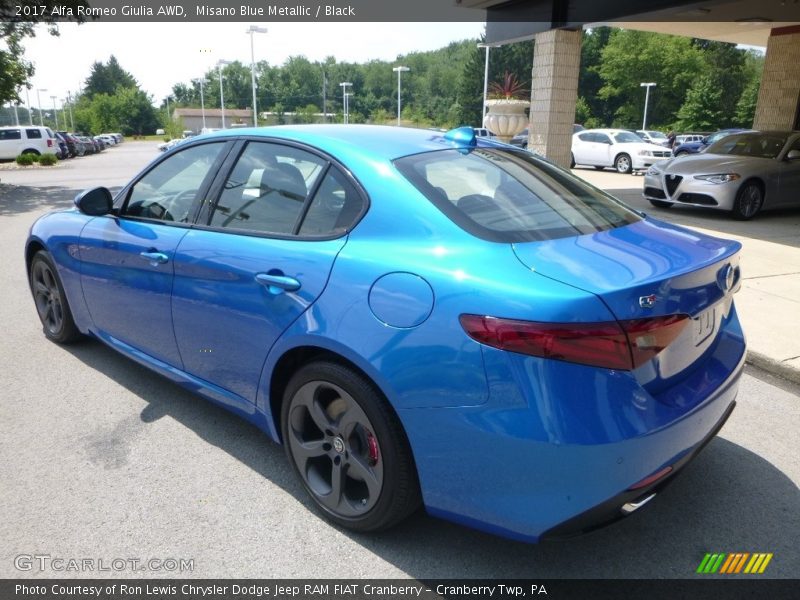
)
(623, 164)
(348, 447)
(749, 200)
(571, 161)
(51, 301)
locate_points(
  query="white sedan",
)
(618, 148)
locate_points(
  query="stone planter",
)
(506, 118)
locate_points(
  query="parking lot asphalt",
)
(102, 459)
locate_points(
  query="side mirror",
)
(793, 155)
(95, 202)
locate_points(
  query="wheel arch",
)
(292, 360)
(33, 246)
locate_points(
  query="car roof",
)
(380, 141)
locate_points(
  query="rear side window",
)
(10, 134)
(335, 207)
(510, 196)
(33, 134)
(267, 189)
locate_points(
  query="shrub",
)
(48, 160)
(26, 159)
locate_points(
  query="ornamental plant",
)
(508, 88)
(48, 160)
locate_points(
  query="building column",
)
(554, 92)
(779, 93)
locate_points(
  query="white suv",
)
(26, 139)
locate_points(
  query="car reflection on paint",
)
(420, 318)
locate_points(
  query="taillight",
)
(49, 143)
(621, 345)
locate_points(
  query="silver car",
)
(742, 173)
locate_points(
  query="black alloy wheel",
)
(51, 301)
(348, 448)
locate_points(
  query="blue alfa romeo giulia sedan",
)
(420, 318)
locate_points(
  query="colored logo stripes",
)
(734, 563)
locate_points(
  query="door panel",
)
(230, 304)
(128, 294)
(127, 269)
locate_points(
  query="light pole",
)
(253, 30)
(220, 64)
(71, 120)
(167, 99)
(16, 115)
(202, 104)
(646, 99)
(399, 71)
(486, 77)
(344, 85)
(55, 110)
(28, 106)
(39, 102)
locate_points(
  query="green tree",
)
(596, 109)
(129, 111)
(15, 71)
(106, 78)
(633, 57)
(701, 111)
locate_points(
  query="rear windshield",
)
(511, 196)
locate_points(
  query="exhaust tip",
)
(630, 507)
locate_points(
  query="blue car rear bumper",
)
(555, 451)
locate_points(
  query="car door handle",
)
(155, 257)
(278, 283)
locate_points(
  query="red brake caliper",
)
(372, 444)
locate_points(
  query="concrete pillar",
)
(554, 92)
(779, 93)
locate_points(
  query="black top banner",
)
(548, 13)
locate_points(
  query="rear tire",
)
(749, 200)
(51, 301)
(348, 447)
(571, 161)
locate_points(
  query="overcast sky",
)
(162, 54)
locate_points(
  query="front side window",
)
(169, 190)
(511, 196)
(267, 189)
(626, 137)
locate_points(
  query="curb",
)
(771, 365)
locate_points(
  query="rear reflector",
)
(623, 345)
(651, 479)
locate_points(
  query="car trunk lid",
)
(647, 270)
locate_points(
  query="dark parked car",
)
(695, 147)
(74, 145)
(63, 146)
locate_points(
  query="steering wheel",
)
(183, 197)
